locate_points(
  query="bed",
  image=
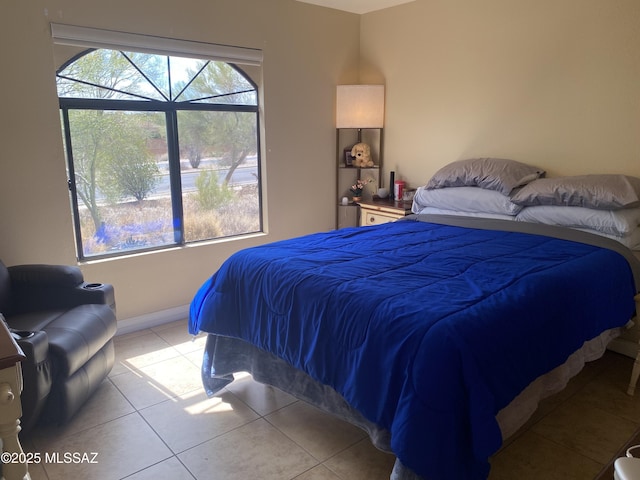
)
(437, 334)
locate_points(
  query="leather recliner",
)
(65, 327)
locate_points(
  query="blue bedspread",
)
(428, 330)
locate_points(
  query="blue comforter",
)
(428, 330)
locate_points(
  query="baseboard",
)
(154, 319)
(624, 347)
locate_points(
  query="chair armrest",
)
(102, 293)
(40, 276)
(48, 287)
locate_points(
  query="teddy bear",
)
(362, 155)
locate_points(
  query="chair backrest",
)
(5, 288)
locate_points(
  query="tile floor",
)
(151, 419)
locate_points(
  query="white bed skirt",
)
(516, 414)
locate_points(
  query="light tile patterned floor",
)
(151, 419)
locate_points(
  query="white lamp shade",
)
(360, 106)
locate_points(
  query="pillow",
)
(465, 199)
(501, 175)
(440, 211)
(612, 222)
(604, 192)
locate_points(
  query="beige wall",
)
(555, 83)
(307, 51)
(552, 82)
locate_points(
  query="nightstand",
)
(10, 407)
(377, 211)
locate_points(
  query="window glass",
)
(161, 151)
(219, 178)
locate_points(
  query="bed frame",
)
(635, 373)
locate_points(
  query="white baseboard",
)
(154, 319)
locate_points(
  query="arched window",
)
(161, 150)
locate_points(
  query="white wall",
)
(555, 83)
(304, 58)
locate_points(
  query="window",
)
(161, 150)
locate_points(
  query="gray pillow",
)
(499, 174)
(601, 192)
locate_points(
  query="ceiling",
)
(357, 6)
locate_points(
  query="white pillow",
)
(465, 199)
(441, 211)
(613, 222)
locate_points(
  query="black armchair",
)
(65, 326)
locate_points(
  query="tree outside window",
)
(161, 151)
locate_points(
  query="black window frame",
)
(170, 108)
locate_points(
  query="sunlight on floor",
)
(210, 405)
(138, 361)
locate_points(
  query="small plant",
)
(203, 225)
(358, 187)
(211, 194)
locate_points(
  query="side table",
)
(377, 210)
(10, 409)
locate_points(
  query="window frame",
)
(170, 109)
